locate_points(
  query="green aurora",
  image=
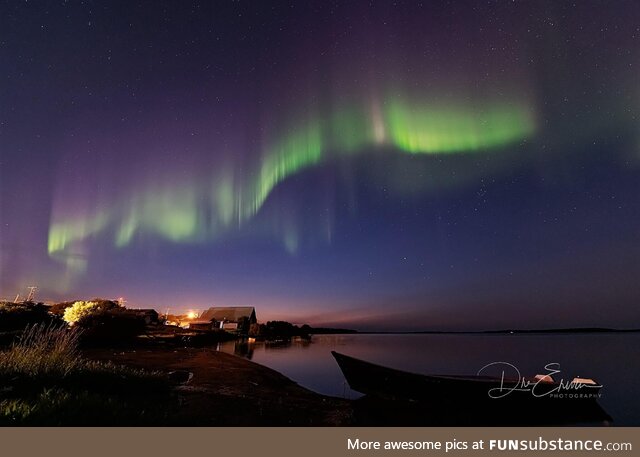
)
(201, 210)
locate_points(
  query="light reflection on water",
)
(609, 358)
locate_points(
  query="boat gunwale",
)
(455, 378)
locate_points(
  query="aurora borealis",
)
(388, 165)
(175, 214)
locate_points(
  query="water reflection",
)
(246, 347)
(608, 358)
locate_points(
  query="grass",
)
(45, 381)
(42, 350)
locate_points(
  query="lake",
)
(609, 358)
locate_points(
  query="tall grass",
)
(43, 350)
(48, 355)
(46, 381)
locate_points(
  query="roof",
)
(143, 310)
(231, 313)
(199, 322)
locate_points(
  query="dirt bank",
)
(228, 390)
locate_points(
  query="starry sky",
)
(376, 165)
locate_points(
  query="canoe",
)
(392, 384)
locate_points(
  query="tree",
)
(16, 316)
(82, 310)
(79, 310)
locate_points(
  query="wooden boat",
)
(392, 384)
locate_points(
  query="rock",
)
(180, 376)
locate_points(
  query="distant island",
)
(510, 331)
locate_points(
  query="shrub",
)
(79, 310)
(104, 320)
(17, 316)
(59, 308)
(116, 325)
(83, 309)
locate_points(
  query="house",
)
(198, 324)
(234, 319)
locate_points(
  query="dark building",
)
(233, 318)
(150, 316)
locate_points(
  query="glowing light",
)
(291, 241)
(223, 202)
(201, 209)
(297, 151)
(171, 213)
(63, 234)
(350, 130)
(377, 120)
(422, 129)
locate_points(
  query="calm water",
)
(611, 359)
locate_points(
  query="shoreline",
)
(227, 390)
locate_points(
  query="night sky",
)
(394, 165)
